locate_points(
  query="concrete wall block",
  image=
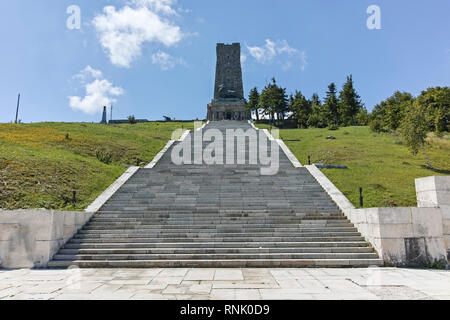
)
(446, 226)
(68, 232)
(394, 215)
(373, 230)
(70, 219)
(8, 230)
(447, 241)
(358, 216)
(396, 230)
(436, 249)
(427, 222)
(23, 220)
(433, 191)
(58, 225)
(445, 213)
(425, 184)
(443, 197)
(373, 215)
(392, 250)
(442, 183)
(37, 230)
(426, 199)
(30, 238)
(41, 253)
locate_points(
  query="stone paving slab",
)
(225, 284)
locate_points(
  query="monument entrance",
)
(228, 102)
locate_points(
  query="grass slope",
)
(377, 162)
(41, 164)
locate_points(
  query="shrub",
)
(377, 125)
(132, 119)
(333, 127)
(104, 155)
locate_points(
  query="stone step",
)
(186, 245)
(81, 239)
(169, 234)
(229, 263)
(218, 229)
(169, 217)
(240, 256)
(196, 211)
(146, 209)
(216, 213)
(100, 225)
(140, 251)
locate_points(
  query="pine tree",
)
(332, 105)
(266, 101)
(349, 103)
(253, 102)
(317, 117)
(273, 100)
(301, 107)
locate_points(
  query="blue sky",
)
(163, 63)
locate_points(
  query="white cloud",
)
(88, 72)
(166, 61)
(280, 52)
(159, 6)
(243, 58)
(99, 92)
(265, 53)
(123, 32)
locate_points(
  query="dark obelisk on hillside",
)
(104, 121)
(228, 102)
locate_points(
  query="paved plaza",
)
(225, 284)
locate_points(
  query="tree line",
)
(412, 117)
(433, 105)
(345, 108)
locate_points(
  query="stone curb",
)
(108, 193)
(292, 158)
(164, 150)
(202, 127)
(184, 135)
(289, 154)
(338, 197)
(160, 154)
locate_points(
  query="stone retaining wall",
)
(403, 236)
(30, 238)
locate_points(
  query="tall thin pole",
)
(111, 111)
(17, 110)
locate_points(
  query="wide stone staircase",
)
(221, 215)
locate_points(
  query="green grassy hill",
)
(41, 164)
(377, 162)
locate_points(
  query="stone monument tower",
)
(228, 102)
